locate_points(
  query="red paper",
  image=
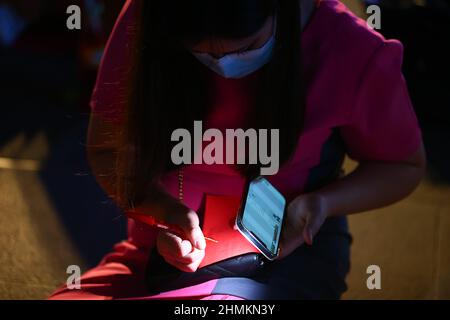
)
(219, 220)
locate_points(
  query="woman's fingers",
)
(195, 256)
(184, 251)
(305, 217)
(289, 242)
(181, 266)
(195, 235)
(291, 235)
(313, 224)
(188, 221)
(190, 224)
(179, 252)
(169, 243)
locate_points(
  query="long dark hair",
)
(170, 87)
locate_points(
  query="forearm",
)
(372, 185)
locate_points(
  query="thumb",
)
(193, 231)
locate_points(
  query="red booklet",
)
(219, 220)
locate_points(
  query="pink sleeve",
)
(383, 125)
(110, 97)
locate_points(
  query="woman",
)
(309, 68)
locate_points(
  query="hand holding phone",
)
(305, 215)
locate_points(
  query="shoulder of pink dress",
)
(335, 24)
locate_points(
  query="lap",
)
(121, 275)
(316, 272)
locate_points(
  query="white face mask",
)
(239, 65)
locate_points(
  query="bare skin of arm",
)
(372, 185)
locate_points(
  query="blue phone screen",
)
(263, 213)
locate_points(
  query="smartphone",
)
(261, 216)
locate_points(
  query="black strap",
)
(162, 276)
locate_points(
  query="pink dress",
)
(354, 86)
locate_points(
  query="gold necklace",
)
(180, 184)
(181, 194)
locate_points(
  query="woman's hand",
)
(305, 216)
(186, 252)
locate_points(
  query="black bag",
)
(161, 276)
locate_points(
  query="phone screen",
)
(263, 213)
